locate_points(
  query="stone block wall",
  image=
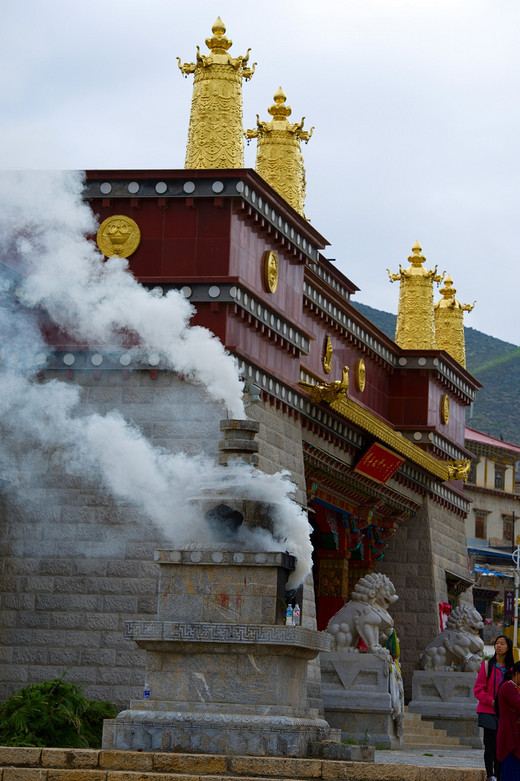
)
(416, 561)
(75, 564)
(280, 445)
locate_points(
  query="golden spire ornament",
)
(449, 322)
(279, 158)
(415, 328)
(215, 135)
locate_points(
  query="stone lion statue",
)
(365, 616)
(459, 647)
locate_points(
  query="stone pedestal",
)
(358, 699)
(447, 699)
(224, 674)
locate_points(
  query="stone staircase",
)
(419, 733)
(53, 764)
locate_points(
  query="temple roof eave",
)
(369, 422)
(246, 175)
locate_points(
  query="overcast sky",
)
(416, 105)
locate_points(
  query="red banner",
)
(379, 463)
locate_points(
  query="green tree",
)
(53, 714)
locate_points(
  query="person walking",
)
(490, 676)
(508, 733)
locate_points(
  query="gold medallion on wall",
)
(361, 375)
(118, 235)
(445, 409)
(270, 261)
(327, 356)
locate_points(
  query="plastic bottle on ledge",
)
(296, 615)
(289, 616)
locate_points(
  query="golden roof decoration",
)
(415, 329)
(449, 322)
(218, 44)
(448, 300)
(216, 135)
(279, 159)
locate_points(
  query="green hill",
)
(494, 363)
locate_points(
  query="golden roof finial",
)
(279, 158)
(215, 136)
(278, 110)
(416, 258)
(449, 322)
(415, 329)
(218, 42)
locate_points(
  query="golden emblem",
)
(118, 235)
(270, 271)
(361, 374)
(445, 408)
(327, 357)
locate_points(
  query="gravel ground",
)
(453, 757)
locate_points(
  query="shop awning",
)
(486, 571)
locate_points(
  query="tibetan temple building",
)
(370, 429)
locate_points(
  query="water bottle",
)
(296, 615)
(289, 616)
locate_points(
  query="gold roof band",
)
(335, 394)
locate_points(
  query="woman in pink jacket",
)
(489, 678)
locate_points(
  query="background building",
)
(491, 526)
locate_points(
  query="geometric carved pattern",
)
(171, 631)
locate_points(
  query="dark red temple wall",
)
(409, 398)
(455, 428)
(211, 316)
(416, 401)
(248, 245)
(259, 348)
(180, 238)
(346, 354)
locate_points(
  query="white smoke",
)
(55, 269)
(100, 303)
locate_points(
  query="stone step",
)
(418, 732)
(432, 740)
(421, 729)
(51, 764)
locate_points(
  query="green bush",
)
(54, 714)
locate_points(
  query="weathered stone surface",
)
(193, 763)
(69, 758)
(28, 757)
(420, 549)
(26, 774)
(127, 775)
(275, 766)
(366, 771)
(357, 697)
(120, 760)
(329, 749)
(447, 699)
(229, 687)
(60, 774)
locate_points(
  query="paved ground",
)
(453, 757)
